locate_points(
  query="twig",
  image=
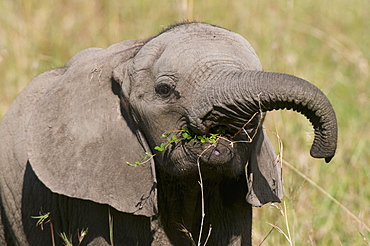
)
(287, 225)
(268, 234)
(202, 194)
(242, 129)
(81, 235)
(284, 214)
(209, 234)
(281, 231)
(188, 234)
(52, 234)
(45, 218)
(96, 69)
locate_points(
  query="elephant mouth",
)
(222, 149)
(217, 153)
(219, 146)
(220, 143)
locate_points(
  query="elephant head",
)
(107, 107)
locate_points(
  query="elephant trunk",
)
(237, 96)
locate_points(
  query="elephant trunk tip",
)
(319, 155)
(328, 159)
(326, 138)
(327, 152)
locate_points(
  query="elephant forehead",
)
(181, 51)
(190, 52)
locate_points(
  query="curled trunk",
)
(237, 96)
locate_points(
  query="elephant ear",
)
(263, 173)
(80, 136)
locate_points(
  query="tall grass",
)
(325, 42)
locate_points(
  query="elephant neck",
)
(180, 201)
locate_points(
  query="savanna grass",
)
(325, 42)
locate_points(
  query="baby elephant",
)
(158, 141)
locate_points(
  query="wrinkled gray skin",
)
(67, 137)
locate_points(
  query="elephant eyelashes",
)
(164, 90)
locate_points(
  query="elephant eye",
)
(164, 89)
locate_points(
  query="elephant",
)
(155, 141)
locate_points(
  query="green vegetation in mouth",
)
(186, 135)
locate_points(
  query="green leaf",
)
(144, 160)
(221, 131)
(186, 136)
(213, 139)
(132, 165)
(41, 218)
(203, 139)
(161, 147)
(173, 138)
(66, 239)
(158, 148)
(165, 135)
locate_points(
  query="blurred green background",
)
(324, 42)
